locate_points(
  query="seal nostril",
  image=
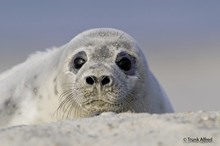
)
(90, 80)
(105, 80)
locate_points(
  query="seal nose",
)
(103, 80)
(91, 80)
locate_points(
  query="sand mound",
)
(192, 128)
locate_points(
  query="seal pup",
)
(99, 70)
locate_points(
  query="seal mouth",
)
(100, 102)
(100, 106)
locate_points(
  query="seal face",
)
(100, 70)
(100, 76)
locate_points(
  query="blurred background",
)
(181, 39)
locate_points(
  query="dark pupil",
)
(78, 63)
(125, 64)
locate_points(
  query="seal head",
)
(103, 70)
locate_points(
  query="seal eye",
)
(78, 63)
(124, 64)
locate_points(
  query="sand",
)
(179, 129)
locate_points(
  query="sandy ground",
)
(180, 129)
